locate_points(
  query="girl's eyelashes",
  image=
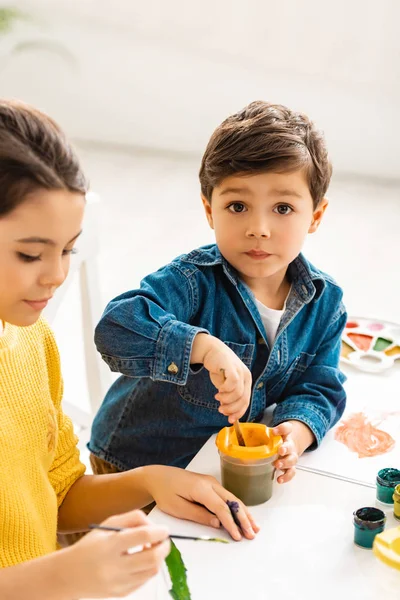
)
(28, 258)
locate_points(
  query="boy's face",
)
(261, 221)
(36, 240)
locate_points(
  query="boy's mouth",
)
(257, 254)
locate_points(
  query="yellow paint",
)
(394, 351)
(346, 349)
(396, 500)
(387, 547)
(259, 439)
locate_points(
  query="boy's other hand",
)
(228, 373)
(296, 438)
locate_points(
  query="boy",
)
(230, 329)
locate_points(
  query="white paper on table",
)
(378, 397)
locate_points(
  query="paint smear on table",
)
(360, 436)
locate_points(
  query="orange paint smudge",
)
(359, 435)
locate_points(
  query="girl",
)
(43, 487)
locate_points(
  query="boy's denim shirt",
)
(162, 409)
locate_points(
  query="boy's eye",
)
(28, 257)
(283, 209)
(237, 207)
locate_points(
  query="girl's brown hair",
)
(34, 154)
(266, 137)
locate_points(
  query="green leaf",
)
(177, 573)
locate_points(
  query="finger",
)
(287, 448)
(247, 524)
(283, 429)
(289, 461)
(237, 416)
(184, 509)
(141, 536)
(287, 475)
(149, 559)
(229, 397)
(232, 379)
(236, 406)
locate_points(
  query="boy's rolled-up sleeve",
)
(318, 398)
(146, 332)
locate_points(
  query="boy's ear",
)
(208, 211)
(318, 214)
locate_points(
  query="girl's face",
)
(36, 241)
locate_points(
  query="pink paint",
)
(376, 326)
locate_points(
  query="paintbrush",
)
(239, 434)
(200, 538)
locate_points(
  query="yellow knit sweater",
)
(39, 460)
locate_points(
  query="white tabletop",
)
(304, 550)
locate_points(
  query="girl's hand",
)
(198, 498)
(101, 564)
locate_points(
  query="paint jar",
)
(368, 522)
(387, 550)
(386, 481)
(248, 471)
(396, 500)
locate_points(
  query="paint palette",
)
(370, 345)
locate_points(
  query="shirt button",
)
(261, 341)
(172, 368)
(260, 385)
(305, 290)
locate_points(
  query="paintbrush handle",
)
(173, 536)
(239, 434)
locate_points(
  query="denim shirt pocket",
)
(199, 389)
(298, 366)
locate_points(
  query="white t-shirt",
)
(271, 319)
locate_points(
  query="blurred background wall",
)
(140, 86)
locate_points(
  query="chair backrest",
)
(84, 264)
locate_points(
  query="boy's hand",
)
(197, 498)
(101, 565)
(227, 372)
(297, 437)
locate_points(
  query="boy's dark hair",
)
(266, 137)
(34, 154)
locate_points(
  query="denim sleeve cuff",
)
(173, 350)
(308, 414)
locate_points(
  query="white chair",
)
(84, 264)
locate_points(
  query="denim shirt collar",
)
(306, 282)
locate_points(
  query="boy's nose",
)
(258, 232)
